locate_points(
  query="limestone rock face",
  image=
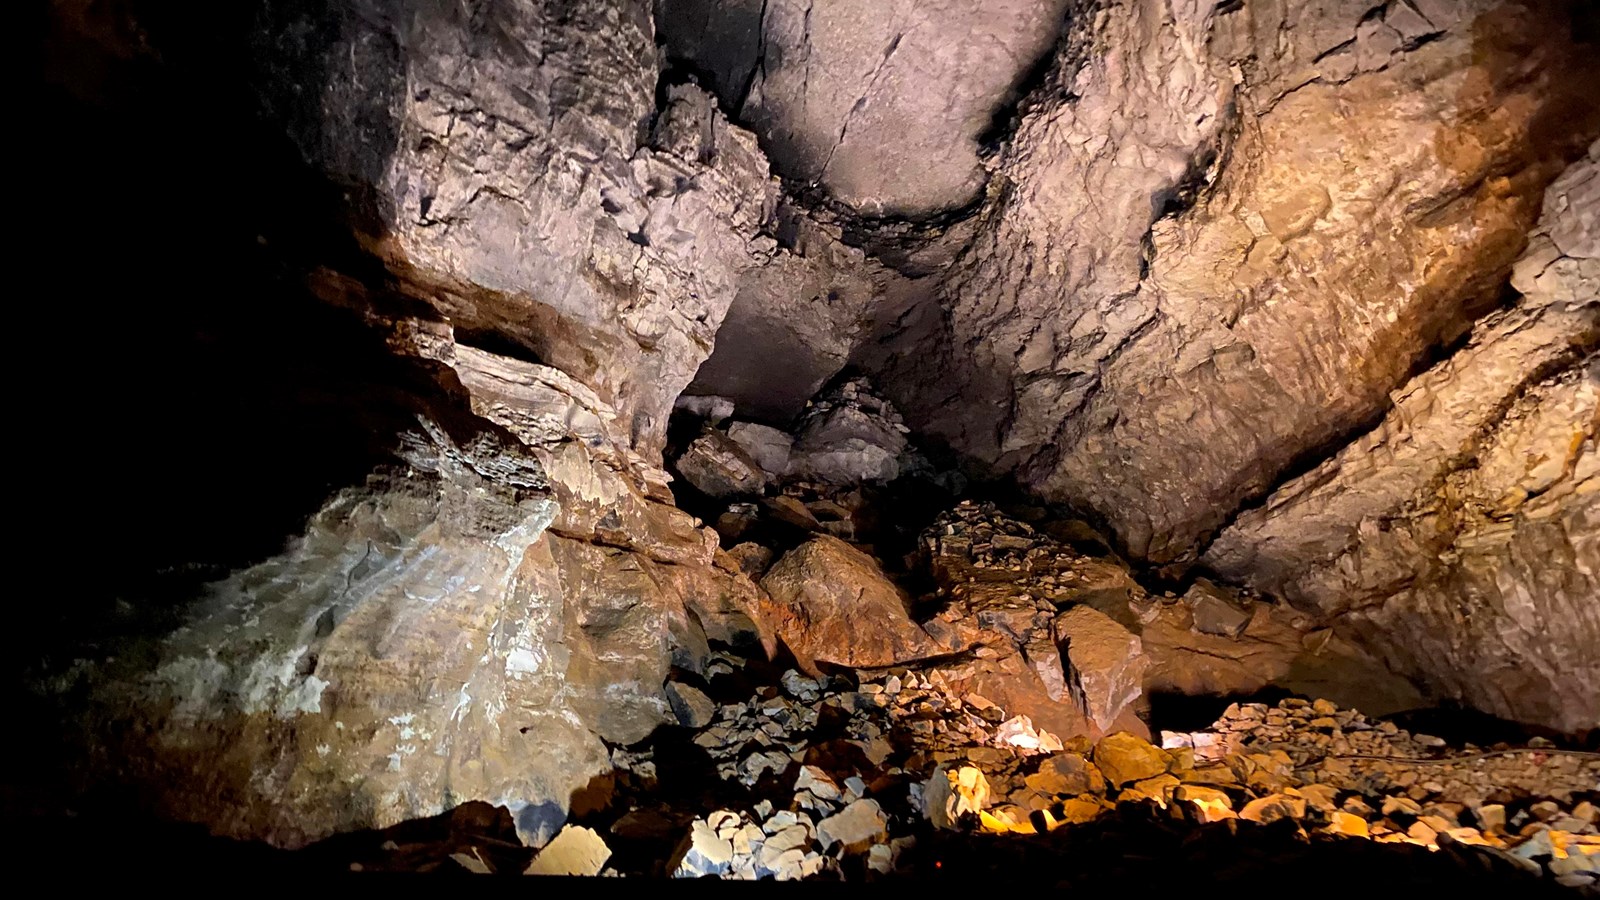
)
(468, 626)
(1460, 536)
(497, 166)
(719, 466)
(881, 104)
(831, 603)
(1226, 233)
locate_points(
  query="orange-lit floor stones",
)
(852, 772)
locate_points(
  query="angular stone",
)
(1158, 789)
(1348, 824)
(1273, 807)
(1209, 804)
(690, 705)
(575, 851)
(1215, 611)
(752, 559)
(857, 827)
(1124, 758)
(702, 853)
(791, 511)
(1067, 774)
(819, 783)
(717, 466)
(1076, 811)
(768, 446)
(848, 462)
(1105, 663)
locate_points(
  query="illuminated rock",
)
(1125, 758)
(856, 827)
(832, 603)
(575, 851)
(1105, 663)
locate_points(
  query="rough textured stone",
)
(718, 466)
(829, 602)
(1459, 537)
(879, 103)
(1125, 758)
(690, 705)
(575, 851)
(1215, 611)
(704, 852)
(768, 446)
(1255, 223)
(856, 827)
(1105, 663)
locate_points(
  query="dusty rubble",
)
(846, 436)
(853, 769)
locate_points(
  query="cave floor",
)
(839, 778)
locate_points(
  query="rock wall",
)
(500, 159)
(468, 626)
(509, 591)
(1460, 536)
(1223, 234)
(1212, 242)
(879, 104)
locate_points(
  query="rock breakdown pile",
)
(845, 776)
(847, 436)
(1046, 620)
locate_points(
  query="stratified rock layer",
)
(1226, 232)
(1462, 535)
(879, 103)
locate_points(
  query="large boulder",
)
(1105, 663)
(717, 465)
(831, 603)
(768, 446)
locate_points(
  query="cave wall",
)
(1224, 235)
(1151, 260)
(1460, 535)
